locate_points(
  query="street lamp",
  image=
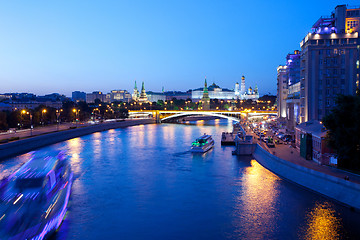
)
(31, 123)
(57, 118)
(42, 115)
(21, 119)
(76, 111)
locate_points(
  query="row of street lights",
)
(43, 112)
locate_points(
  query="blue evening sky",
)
(68, 45)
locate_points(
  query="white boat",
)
(33, 200)
(202, 144)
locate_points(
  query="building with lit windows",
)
(293, 93)
(91, 97)
(120, 96)
(216, 92)
(329, 62)
(282, 89)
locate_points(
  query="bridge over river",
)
(173, 115)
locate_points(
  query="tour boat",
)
(33, 200)
(202, 144)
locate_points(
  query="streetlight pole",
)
(57, 118)
(31, 124)
(76, 111)
(42, 116)
(21, 119)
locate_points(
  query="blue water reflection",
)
(143, 183)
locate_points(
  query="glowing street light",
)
(76, 111)
(42, 115)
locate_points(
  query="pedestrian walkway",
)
(288, 153)
(24, 133)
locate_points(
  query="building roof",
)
(212, 88)
(313, 127)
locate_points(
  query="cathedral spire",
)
(143, 97)
(136, 94)
(205, 88)
(205, 100)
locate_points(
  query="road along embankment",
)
(339, 189)
(15, 148)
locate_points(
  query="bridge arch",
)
(187, 114)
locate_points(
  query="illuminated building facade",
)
(282, 89)
(120, 95)
(329, 62)
(293, 94)
(91, 97)
(216, 92)
(155, 96)
(242, 91)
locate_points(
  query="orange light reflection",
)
(323, 223)
(258, 194)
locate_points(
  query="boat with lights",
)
(33, 200)
(202, 144)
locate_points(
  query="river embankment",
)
(344, 191)
(21, 146)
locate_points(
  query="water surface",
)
(142, 182)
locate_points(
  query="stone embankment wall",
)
(15, 148)
(341, 190)
(244, 149)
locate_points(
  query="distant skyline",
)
(64, 46)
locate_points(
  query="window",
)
(327, 102)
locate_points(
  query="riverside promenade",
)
(49, 135)
(285, 161)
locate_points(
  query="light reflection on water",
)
(256, 202)
(323, 222)
(143, 183)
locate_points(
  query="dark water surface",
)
(143, 183)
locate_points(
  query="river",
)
(142, 182)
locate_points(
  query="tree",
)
(3, 121)
(123, 113)
(343, 124)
